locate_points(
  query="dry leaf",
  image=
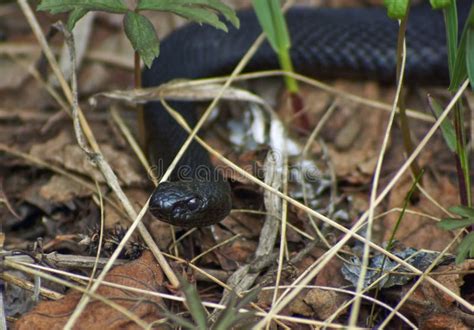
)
(143, 273)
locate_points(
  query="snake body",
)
(351, 42)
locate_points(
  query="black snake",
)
(351, 42)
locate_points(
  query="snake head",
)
(190, 204)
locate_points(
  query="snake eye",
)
(193, 204)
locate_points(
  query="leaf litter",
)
(352, 136)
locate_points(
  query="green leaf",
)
(452, 224)
(194, 303)
(225, 10)
(62, 6)
(470, 55)
(440, 4)
(463, 211)
(466, 248)
(396, 9)
(470, 19)
(281, 28)
(75, 16)
(200, 11)
(264, 15)
(447, 128)
(451, 21)
(200, 15)
(142, 35)
(230, 316)
(177, 320)
(270, 17)
(459, 72)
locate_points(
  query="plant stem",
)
(296, 101)
(461, 157)
(462, 162)
(287, 65)
(139, 108)
(404, 126)
(391, 240)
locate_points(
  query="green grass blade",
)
(458, 67)
(264, 15)
(470, 54)
(177, 320)
(272, 20)
(447, 128)
(281, 29)
(230, 316)
(451, 23)
(195, 306)
(391, 240)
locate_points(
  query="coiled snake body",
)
(354, 42)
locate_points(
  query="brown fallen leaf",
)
(324, 303)
(430, 307)
(143, 273)
(62, 150)
(60, 189)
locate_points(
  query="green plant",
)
(273, 23)
(391, 241)
(228, 317)
(400, 10)
(270, 17)
(459, 60)
(138, 28)
(461, 66)
(465, 220)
